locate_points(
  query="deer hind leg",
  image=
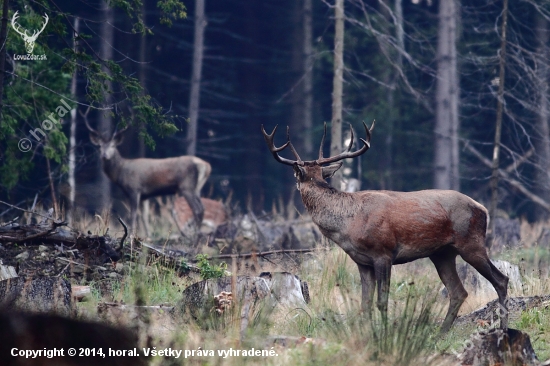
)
(195, 203)
(480, 261)
(445, 264)
(368, 282)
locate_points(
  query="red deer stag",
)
(144, 178)
(380, 228)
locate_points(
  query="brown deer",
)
(144, 178)
(378, 229)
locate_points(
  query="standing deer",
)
(144, 178)
(378, 229)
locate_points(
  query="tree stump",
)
(500, 347)
(46, 294)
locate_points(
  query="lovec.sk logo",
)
(29, 40)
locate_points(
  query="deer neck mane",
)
(319, 198)
(113, 166)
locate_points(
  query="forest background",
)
(433, 74)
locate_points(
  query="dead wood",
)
(105, 305)
(263, 254)
(43, 294)
(52, 234)
(506, 176)
(173, 259)
(500, 347)
(7, 272)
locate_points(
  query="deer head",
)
(315, 170)
(107, 146)
(29, 40)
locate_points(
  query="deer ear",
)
(299, 172)
(118, 139)
(95, 139)
(329, 170)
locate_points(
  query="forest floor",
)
(329, 330)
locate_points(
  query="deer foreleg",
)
(382, 273)
(134, 206)
(368, 282)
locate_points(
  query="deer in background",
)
(378, 229)
(144, 178)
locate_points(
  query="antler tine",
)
(85, 117)
(274, 150)
(117, 132)
(322, 142)
(292, 149)
(347, 154)
(351, 139)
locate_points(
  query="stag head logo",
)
(29, 40)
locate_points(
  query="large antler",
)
(118, 133)
(85, 118)
(274, 150)
(15, 25)
(346, 154)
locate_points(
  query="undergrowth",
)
(336, 329)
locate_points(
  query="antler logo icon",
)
(29, 40)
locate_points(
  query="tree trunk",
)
(542, 141)
(337, 89)
(446, 161)
(194, 99)
(3, 37)
(53, 192)
(498, 129)
(142, 77)
(72, 137)
(142, 73)
(390, 78)
(105, 124)
(301, 96)
(308, 76)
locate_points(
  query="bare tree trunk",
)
(542, 142)
(52, 189)
(142, 73)
(105, 124)
(390, 78)
(298, 109)
(142, 76)
(498, 129)
(337, 89)
(194, 99)
(446, 160)
(3, 39)
(72, 137)
(308, 76)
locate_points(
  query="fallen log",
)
(53, 234)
